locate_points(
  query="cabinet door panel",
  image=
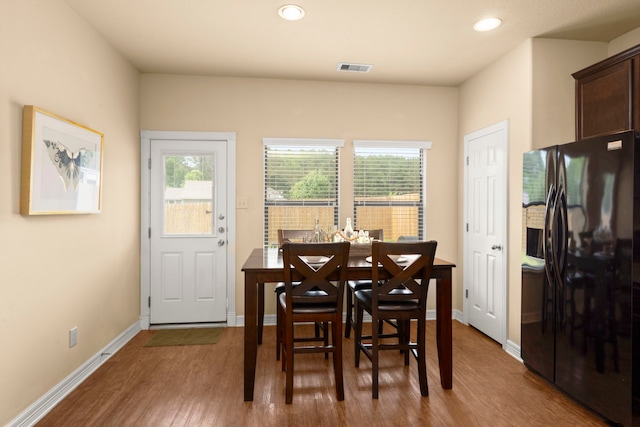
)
(604, 101)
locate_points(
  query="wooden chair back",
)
(319, 271)
(408, 282)
(285, 235)
(377, 234)
(407, 238)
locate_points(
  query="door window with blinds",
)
(301, 185)
(389, 187)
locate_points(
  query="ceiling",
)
(428, 42)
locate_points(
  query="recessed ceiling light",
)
(487, 24)
(291, 12)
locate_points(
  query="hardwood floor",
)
(203, 386)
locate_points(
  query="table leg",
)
(250, 333)
(260, 311)
(443, 329)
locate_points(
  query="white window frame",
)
(301, 142)
(425, 146)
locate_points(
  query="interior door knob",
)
(496, 247)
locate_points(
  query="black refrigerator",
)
(580, 274)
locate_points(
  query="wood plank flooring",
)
(203, 386)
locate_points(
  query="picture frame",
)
(61, 165)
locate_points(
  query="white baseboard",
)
(145, 323)
(49, 400)
(513, 349)
(457, 315)
(232, 319)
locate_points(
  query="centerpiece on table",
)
(360, 240)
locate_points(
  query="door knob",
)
(221, 242)
(221, 229)
(498, 247)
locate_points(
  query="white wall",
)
(60, 272)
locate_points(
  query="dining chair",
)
(314, 280)
(401, 297)
(407, 238)
(356, 285)
(283, 236)
(286, 235)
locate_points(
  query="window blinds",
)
(301, 185)
(389, 187)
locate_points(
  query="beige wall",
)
(553, 87)
(502, 92)
(257, 108)
(64, 271)
(533, 88)
(626, 41)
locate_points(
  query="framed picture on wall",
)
(61, 165)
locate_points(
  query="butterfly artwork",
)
(67, 162)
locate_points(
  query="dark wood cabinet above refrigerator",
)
(608, 95)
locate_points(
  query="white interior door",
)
(485, 230)
(188, 231)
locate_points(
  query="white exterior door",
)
(188, 232)
(485, 230)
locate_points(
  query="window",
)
(300, 185)
(389, 187)
(188, 194)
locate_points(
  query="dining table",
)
(264, 265)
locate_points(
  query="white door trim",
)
(145, 188)
(504, 126)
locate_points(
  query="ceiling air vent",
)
(356, 68)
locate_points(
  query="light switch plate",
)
(242, 203)
(73, 336)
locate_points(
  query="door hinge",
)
(467, 160)
(467, 226)
(466, 293)
(149, 232)
(149, 162)
(149, 302)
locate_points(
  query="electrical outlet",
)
(73, 336)
(242, 203)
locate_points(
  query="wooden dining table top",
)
(270, 259)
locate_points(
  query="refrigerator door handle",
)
(564, 228)
(559, 236)
(548, 214)
(559, 252)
